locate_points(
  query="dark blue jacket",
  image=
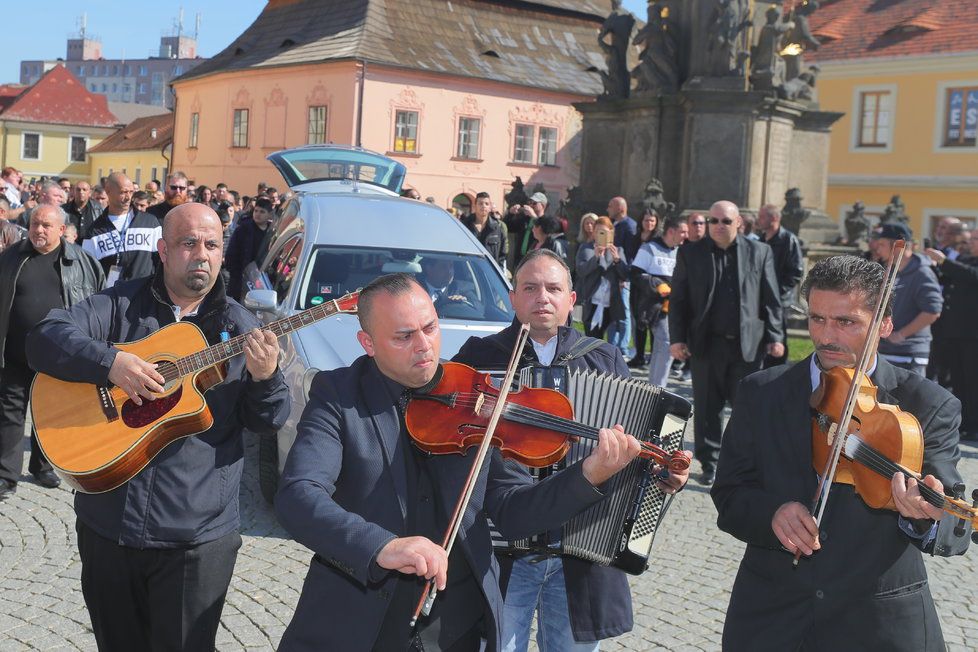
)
(343, 495)
(242, 249)
(598, 597)
(188, 494)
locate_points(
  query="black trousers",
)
(15, 387)
(964, 380)
(716, 373)
(942, 358)
(155, 599)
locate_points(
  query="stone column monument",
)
(709, 123)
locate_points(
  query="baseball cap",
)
(538, 197)
(894, 231)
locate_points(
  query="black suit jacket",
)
(343, 495)
(693, 284)
(866, 589)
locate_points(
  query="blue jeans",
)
(539, 587)
(620, 332)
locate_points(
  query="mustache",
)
(833, 348)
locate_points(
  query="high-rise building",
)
(139, 81)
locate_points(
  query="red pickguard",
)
(137, 416)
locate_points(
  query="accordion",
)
(619, 530)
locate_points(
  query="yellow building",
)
(47, 129)
(906, 76)
(138, 150)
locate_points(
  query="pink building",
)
(468, 94)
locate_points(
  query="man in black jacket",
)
(960, 319)
(861, 582)
(370, 504)
(245, 244)
(158, 552)
(580, 602)
(788, 265)
(81, 209)
(724, 315)
(122, 239)
(489, 229)
(37, 274)
(175, 193)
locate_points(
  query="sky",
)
(125, 29)
(125, 33)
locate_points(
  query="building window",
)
(317, 125)
(406, 132)
(81, 71)
(468, 138)
(152, 174)
(177, 70)
(126, 70)
(523, 144)
(875, 111)
(104, 88)
(115, 69)
(79, 144)
(138, 177)
(547, 151)
(143, 71)
(194, 126)
(30, 146)
(141, 89)
(961, 117)
(239, 135)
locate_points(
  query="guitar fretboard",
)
(217, 353)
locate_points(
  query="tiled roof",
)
(859, 29)
(549, 44)
(58, 97)
(139, 134)
(126, 112)
(9, 93)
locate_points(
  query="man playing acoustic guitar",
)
(158, 552)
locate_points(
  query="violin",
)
(886, 440)
(536, 427)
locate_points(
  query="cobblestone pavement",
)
(679, 604)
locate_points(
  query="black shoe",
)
(7, 489)
(707, 477)
(47, 479)
(638, 362)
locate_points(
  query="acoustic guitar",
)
(97, 438)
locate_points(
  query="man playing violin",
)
(371, 505)
(578, 603)
(861, 582)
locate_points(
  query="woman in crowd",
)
(650, 230)
(204, 195)
(547, 233)
(601, 269)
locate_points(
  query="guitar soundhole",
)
(137, 416)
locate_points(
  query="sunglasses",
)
(698, 223)
(716, 220)
(178, 188)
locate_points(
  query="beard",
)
(198, 282)
(176, 200)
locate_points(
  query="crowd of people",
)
(703, 290)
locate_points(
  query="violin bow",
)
(827, 477)
(431, 591)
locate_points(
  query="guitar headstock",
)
(348, 303)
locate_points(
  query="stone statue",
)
(726, 45)
(896, 210)
(792, 215)
(618, 26)
(801, 87)
(857, 224)
(517, 195)
(654, 199)
(658, 68)
(767, 65)
(801, 35)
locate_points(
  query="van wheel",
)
(268, 466)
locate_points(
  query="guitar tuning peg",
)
(974, 497)
(974, 537)
(957, 490)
